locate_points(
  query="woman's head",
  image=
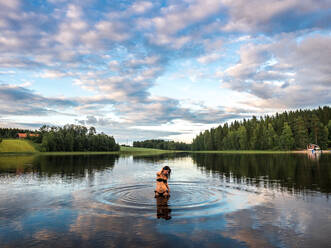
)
(166, 170)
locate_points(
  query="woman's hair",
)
(168, 169)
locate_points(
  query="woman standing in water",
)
(162, 187)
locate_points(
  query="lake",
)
(217, 200)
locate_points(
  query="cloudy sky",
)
(160, 69)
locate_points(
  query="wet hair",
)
(168, 169)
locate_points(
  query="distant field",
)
(16, 145)
(142, 151)
(25, 146)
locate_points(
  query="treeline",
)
(162, 144)
(285, 131)
(74, 138)
(11, 133)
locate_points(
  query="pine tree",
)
(300, 133)
(323, 136)
(286, 139)
(242, 133)
(314, 125)
(272, 138)
(329, 130)
(254, 138)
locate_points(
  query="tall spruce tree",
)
(286, 139)
(242, 133)
(314, 125)
(272, 138)
(300, 133)
(329, 130)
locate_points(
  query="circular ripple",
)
(187, 199)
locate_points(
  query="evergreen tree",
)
(323, 136)
(254, 138)
(314, 125)
(243, 142)
(300, 133)
(286, 139)
(272, 138)
(329, 130)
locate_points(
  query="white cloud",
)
(206, 59)
(140, 7)
(298, 75)
(256, 15)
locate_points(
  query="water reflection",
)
(160, 158)
(67, 166)
(216, 200)
(291, 172)
(314, 156)
(163, 210)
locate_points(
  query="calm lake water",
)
(216, 201)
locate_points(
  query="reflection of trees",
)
(159, 158)
(64, 166)
(9, 164)
(74, 166)
(290, 171)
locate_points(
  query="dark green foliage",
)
(11, 133)
(75, 138)
(162, 144)
(286, 139)
(295, 172)
(270, 132)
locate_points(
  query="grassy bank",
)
(17, 146)
(26, 146)
(12, 146)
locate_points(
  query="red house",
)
(25, 135)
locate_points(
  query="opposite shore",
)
(26, 147)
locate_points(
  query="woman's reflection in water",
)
(163, 210)
(315, 156)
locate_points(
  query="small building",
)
(313, 148)
(25, 135)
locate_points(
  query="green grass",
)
(26, 146)
(123, 151)
(142, 151)
(17, 146)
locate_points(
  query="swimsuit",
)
(161, 180)
(164, 181)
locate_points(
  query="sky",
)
(141, 70)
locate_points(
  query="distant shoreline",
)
(11, 146)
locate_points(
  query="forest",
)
(75, 138)
(162, 144)
(11, 133)
(68, 138)
(285, 131)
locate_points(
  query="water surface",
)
(216, 200)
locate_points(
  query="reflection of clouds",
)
(284, 219)
(44, 235)
(113, 231)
